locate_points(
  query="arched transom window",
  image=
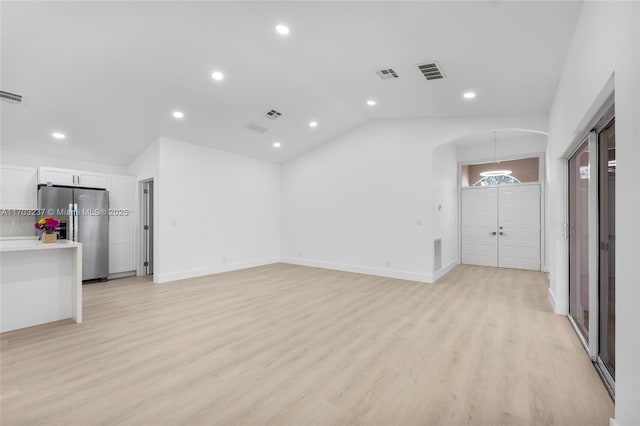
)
(496, 180)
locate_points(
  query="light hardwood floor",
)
(292, 345)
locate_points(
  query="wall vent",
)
(273, 114)
(387, 73)
(14, 98)
(437, 254)
(431, 70)
(256, 128)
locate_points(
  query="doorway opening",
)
(146, 227)
(501, 220)
(501, 226)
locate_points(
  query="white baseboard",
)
(173, 276)
(552, 299)
(443, 271)
(558, 308)
(613, 422)
(380, 272)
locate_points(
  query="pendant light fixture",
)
(495, 160)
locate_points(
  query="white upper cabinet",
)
(91, 179)
(56, 176)
(18, 187)
(69, 177)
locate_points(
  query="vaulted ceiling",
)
(109, 75)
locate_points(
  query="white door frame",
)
(140, 235)
(541, 182)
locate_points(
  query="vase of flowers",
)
(48, 226)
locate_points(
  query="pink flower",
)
(47, 224)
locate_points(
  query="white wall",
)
(606, 44)
(217, 211)
(354, 203)
(444, 223)
(507, 146)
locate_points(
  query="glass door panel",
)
(579, 239)
(607, 226)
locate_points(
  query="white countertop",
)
(32, 244)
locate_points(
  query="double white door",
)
(501, 226)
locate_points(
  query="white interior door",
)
(519, 227)
(479, 226)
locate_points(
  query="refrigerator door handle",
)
(74, 211)
(70, 227)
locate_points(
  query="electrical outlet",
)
(299, 254)
(224, 260)
(388, 263)
(419, 222)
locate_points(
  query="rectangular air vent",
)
(386, 73)
(10, 97)
(256, 128)
(431, 70)
(273, 114)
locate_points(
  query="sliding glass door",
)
(607, 246)
(592, 243)
(579, 239)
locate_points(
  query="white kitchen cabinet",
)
(91, 179)
(121, 223)
(56, 176)
(18, 187)
(68, 177)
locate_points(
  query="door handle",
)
(492, 233)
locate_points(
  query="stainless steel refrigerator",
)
(84, 217)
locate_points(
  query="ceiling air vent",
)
(386, 73)
(431, 70)
(273, 114)
(256, 128)
(14, 98)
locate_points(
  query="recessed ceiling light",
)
(371, 102)
(276, 144)
(313, 124)
(282, 29)
(217, 75)
(58, 135)
(469, 95)
(178, 114)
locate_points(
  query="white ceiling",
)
(109, 75)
